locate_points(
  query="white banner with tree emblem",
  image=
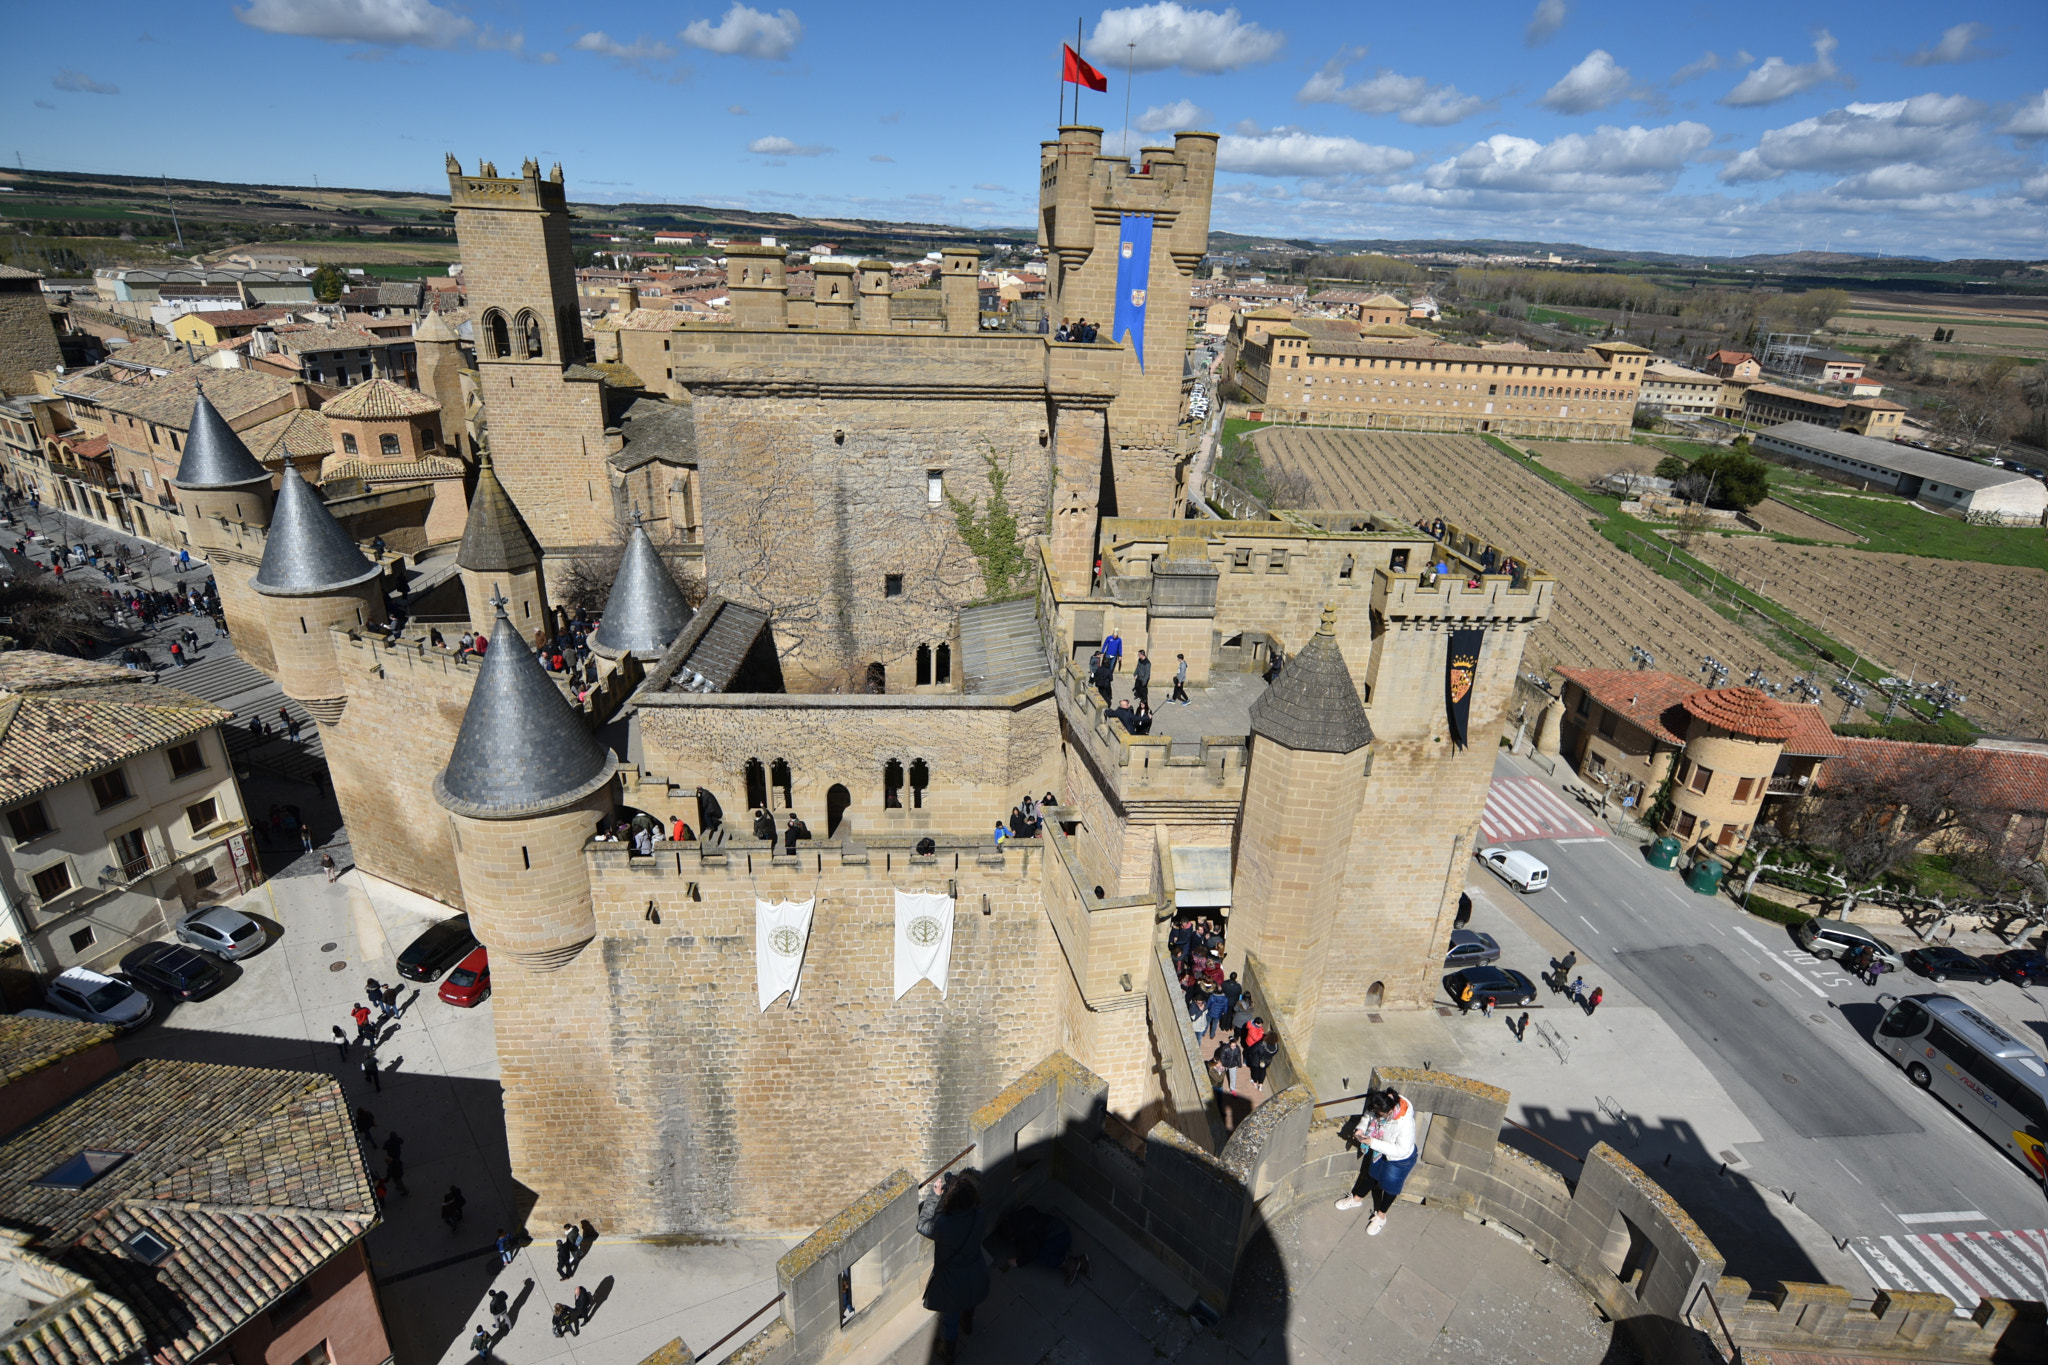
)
(781, 933)
(924, 939)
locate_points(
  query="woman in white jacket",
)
(1386, 1129)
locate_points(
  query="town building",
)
(211, 328)
(334, 355)
(1678, 392)
(148, 285)
(1366, 309)
(1734, 365)
(1977, 490)
(179, 1211)
(120, 808)
(1769, 404)
(1831, 366)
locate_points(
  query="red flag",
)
(1080, 73)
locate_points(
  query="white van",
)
(1516, 868)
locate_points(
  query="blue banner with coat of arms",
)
(1133, 275)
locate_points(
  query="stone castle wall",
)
(28, 339)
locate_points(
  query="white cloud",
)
(632, 54)
(1866, 137)
(738, 109)
(782, 146)
(1163, 118)
(2035, 187)
(77, 82)
(1289, 151)
(1593, 84)
(1545, 22)
(1778, 79)
(2030, 120)
(390, 23)
(879, 157)
(1963, 43)
(992, 188)
(1168, 34)
(1412, 98)
(745, 32)
(1608, 160)
(1711, 61)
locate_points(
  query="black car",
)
(181, 973)
(435, 951)
(1940, 964)
(1504, 984)
(2021, 966)
(1470, 948)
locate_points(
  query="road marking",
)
(1852, 1175)
(1711, 925)
(1965, 1294)
(1559, 894)
(1809, 985)
(1578, 841)
(1962, 1216)
(1590, 925)
(1746, 934)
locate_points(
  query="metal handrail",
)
(1734, 1351)
(948, 1166)
(705, 1354)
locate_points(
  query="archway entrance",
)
(837, 799)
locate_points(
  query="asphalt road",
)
(1865, 1152)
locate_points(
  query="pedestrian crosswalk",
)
(1966, 1266)
(1526, 808)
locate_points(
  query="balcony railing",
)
(133, 868)
(1786, 786)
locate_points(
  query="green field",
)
(82, 212)
(1944, 320)
(1895, 526)
(1572, 320)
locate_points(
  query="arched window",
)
(757, 785)
(529, 336)
(387, 444)
(924, 665)
(837, 799)
(500, 335)
(778, 778)
(942, 669)
(920, 778)
(877, 679)
(892, 785)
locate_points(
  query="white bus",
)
(1975, 1067)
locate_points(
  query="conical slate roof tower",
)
(214, 456)
(307, 554)
(646, 610)
(495, 539)
(522, 749)
(1313, 705)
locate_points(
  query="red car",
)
(470, 983)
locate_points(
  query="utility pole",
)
(174, 213)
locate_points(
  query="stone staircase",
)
(224, 678)
(1001, 650)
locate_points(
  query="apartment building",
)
(1678, 392)
(1769, 404)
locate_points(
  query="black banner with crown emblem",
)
(1459, 672)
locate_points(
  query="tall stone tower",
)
(1304, 784)
(440, 362)
(222, 486)
(524, 786)
(1083, 201)
(312, 580)
(645, 611)
(546, 407)
(960, 284)
(499, 557)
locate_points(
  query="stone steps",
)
(1001, 650)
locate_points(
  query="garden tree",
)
(1671, 467)
(1906, 357)
(2033, 390)
(57, 616)
(328, 284)
(1882, 805)
(1726, 478)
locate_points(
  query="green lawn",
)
(1899, 527)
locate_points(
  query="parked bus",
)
(1975, 1067)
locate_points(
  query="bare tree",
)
(1979, 416)
(586, 584)
(1884, 804)
(42, 611)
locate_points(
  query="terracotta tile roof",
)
(251, 1177)
(30, 670)
(86, 447)
(377, 398)
(298, 434)
(1811, 735)
(388, 471)
(1740, 710)
(1644, 698)
(2008, 779)
(50, 734)
(647, 320)
(29, 1045)
(78, 1313)
(315, 337)
(166, 400)
(1564, 360)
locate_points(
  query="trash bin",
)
(1664, 853)
(1705, 876)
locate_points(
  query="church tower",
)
(544, 403)
(313, 579)
(499, 557)
(222, 487)
(1304, 783)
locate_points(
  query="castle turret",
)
(646, 610)
(1304, 783)
(960, 281)
(875, 289)
(757, 284)
(440, 366)
(221, 488)
(525, 784)
(833, 298)
(499, 556)
(313, 579)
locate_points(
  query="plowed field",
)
(1983, 627)
(1606, 602)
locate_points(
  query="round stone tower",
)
(224, 492)
(524, 786)
(646, 611)
(1304, 784)
(313, 579)
(500, 557)
(1733, 740)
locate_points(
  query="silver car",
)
(96, 998)
(223, 932)
(1834, 938)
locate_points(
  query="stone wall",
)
(28, 339)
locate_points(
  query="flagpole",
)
(1130, 60)
(1063, 94)
(1077, 84)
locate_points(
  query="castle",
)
(824, 465)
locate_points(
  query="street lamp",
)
(1643, 657)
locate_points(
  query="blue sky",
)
(1725, 127)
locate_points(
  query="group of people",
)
(1083, 331)
(1491, 561)
(1219, 1007)
(1573, 987)
(1135, 714)
(1027, 819)
(375, 1023)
